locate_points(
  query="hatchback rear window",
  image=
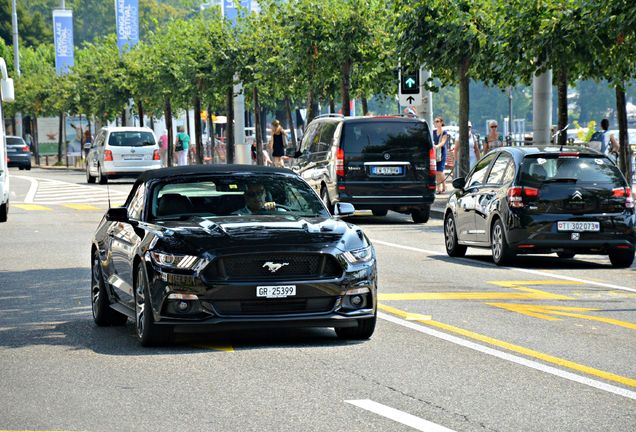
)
(15, 141)
(382, 136)
(131, 139)
(554, 168)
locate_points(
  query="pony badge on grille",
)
(274, 267)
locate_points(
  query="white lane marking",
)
(28, 199)
(511, 357)
(48, 191)
(399, 416)
(536, 272)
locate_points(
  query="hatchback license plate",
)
(578, 226)
(133, 157)
(389, 170)
(278, 291)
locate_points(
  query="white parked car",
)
(121, 152)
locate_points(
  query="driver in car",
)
(255, 200)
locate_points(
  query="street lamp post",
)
(16, 61)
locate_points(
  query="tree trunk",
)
(625, 158)
(168, 116)
(140, 111)
(152, 122)
(464, 105)
(197, 129)
(365, 106)
(346, 86)
(562, 86)
(60, 141)
(263, 121)
(332, 99)
(229, 127)
(123, 117)
(290, 119)
(36, 140)
(257, 128)
(211, 133)
(311, 112)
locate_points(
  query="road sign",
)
(410, 91)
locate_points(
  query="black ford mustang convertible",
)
(207, 248)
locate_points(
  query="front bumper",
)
(226, 305)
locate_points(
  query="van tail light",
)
(625, 192)
(432, 166)
(517, 194)
(340, 172)
(155, 155)
(108, 155)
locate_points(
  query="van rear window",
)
(553, 168)
(382, 136)
(131, 139)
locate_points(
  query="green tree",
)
(34, 27)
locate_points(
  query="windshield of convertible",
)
(235, 195)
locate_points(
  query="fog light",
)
(356, 300)
(182, 306)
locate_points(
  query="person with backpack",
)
(609, 144)
(181, 145)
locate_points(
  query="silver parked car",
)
(121, 152)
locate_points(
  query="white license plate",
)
(387, 170)
(133, 157)
(278, 291)
(578, 226)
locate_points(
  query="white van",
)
(121, 152)
(7, 96)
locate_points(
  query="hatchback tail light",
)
(625, 192)
(108, 155)
(155, 155)
(517, 194)
(340, 172)
(26, 149)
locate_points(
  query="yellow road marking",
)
(81, 206)
(517, 348)
(31, 207)
(417, 317)
(224, 348)
(544, 312)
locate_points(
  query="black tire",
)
(566, 255)
(28, 168)
(324, 196)
(621, 259)
(89, 177)
(4, 212)
(378, 212)
(502, 253)
(453, 248)
(364, 330)
(421, 215)
(148, 333)
(101, 178)
(21, 168)
(103, 314)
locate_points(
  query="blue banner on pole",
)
(63, 39)
(230, 11)
(127, 20)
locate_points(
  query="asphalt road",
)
(462, 345)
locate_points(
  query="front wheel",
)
(502, 253)
(4, 212)
(103, 314)
(148, 333)
(364, 330)
(421, 215)
(453, 248)
(101, 178)
(621, 259)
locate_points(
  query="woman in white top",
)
(493, 139)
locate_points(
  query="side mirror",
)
(343, 209)
(117, 214)
(459, 183)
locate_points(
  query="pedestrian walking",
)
(88, 140)
(493, 139)
(609, 144)
(473, 147)
(440, 139)
(163, 148)
(181, 145)
(277, 143)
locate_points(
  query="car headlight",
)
(181, 262)
(358, 256)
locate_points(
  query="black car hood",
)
(197, 235)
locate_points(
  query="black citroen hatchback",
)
(523, 200)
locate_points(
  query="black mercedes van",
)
(376, 163)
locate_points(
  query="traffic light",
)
(409, 82)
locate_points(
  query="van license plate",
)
(278, 291)
(578, 226)
(382, 170)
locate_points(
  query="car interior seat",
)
(173, 204)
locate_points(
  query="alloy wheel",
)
(140, 303)
(95, 286)
(497, 242)
(450, 233)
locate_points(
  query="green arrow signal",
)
(410, 82)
